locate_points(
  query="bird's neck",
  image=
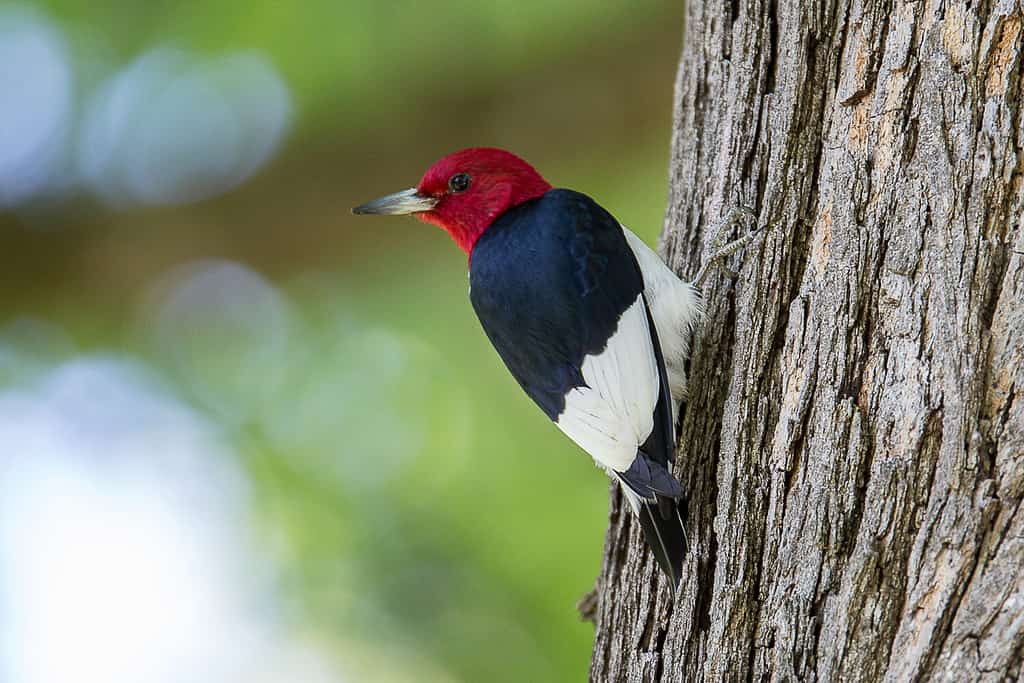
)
(467, 227)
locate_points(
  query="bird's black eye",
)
(459, 182)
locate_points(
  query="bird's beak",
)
(398, 204)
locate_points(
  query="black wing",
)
(550, 281)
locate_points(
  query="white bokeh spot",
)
(123, 526)
(35, 104)
(173, 128)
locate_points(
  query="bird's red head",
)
(465, 192)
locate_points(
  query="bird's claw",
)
(736, 214)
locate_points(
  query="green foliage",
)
(358, 59)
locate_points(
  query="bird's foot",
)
(736, 215)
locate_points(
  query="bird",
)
(589, 320)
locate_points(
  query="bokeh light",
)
(225, 331)
(36, 92)
(122, 518)
(172, 127)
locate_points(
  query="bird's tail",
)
(662, 522)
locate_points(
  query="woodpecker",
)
(591, 323)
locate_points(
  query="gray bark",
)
(854, 444)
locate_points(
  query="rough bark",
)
(854, 444)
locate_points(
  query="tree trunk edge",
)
(854, 445)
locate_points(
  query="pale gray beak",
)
(398, 204)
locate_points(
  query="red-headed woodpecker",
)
(589, 320)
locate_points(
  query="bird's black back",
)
(549, 280)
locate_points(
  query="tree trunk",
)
(854, 444)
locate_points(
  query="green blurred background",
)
(177, 256)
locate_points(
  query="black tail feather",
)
(663, 529)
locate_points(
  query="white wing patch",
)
(676, 308)
(613, 414)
